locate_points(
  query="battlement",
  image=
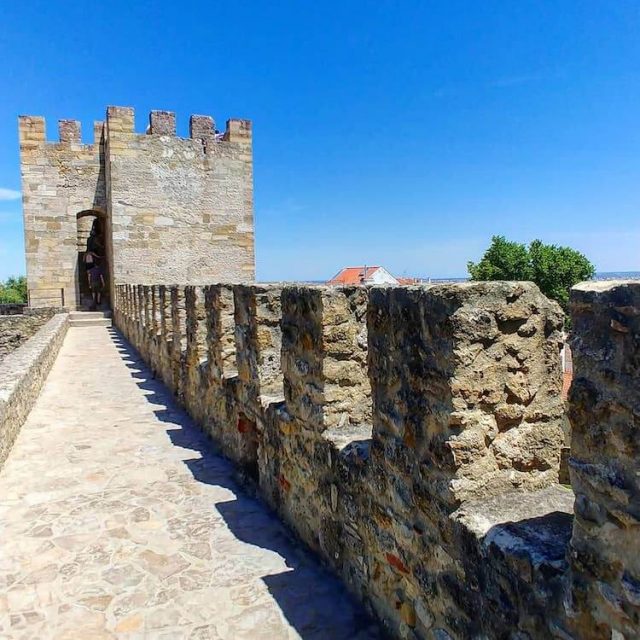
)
(121, 121)
(69, 131)
(32, 133)
(485, 387)
(412, 436)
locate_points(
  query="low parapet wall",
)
(22, 374)
(16, 329)
(411, 436)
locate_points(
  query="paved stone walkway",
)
(118, 521)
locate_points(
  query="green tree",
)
(554, 269)
(13, 290)
(503, 260)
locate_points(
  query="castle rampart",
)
(412, 437)
(170, 209)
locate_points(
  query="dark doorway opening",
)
(92, 250)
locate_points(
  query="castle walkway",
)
(117, 520)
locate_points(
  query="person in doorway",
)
(94, 241)
(95, 247)
(90, 260)
(96, 284)
(93, 259)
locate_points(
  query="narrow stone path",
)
(118, 521)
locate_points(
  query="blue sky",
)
(395, 133)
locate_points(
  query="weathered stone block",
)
(324, 355)
(238, 131)
(604, 409)
(201, 127)
(258, 337)
(69, 131)
(467, 378)
(196, 364)
(32, 132)
(162, 123)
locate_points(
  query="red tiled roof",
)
(352, 275)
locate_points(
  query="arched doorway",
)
(91, 237)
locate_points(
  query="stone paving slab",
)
(117, 520)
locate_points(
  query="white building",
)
(363, 275)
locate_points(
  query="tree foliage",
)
(13, 290)
(503, 260)
(554, 269)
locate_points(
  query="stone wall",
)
(410, 436)
(605, 452)
(59, 181)
(15, 330)
(12, 309)
(22, 374)
(181, 210)
(173, 209)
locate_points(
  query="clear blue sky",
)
(396, 133)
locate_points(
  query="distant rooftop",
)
(354, 275)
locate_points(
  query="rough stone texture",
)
(468, 378)
(22, 374)
(604, 411)
(162, 123)
(117, 520)
(257, 313)
(59, 181)
(325, 356)
(15, 330)
(201, 127)
(174, 210)
(180, 211)
(196, 353)
(70, 131)
(412, 438)
(12, 309)
(510, 564)
(466, 405)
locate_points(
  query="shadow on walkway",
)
(313, 601)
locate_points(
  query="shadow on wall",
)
(312, 600)
(533, 547)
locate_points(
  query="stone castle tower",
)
(168, 209)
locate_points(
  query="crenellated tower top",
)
(121, 120)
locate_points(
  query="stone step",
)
(77, 315)
(89, 322)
